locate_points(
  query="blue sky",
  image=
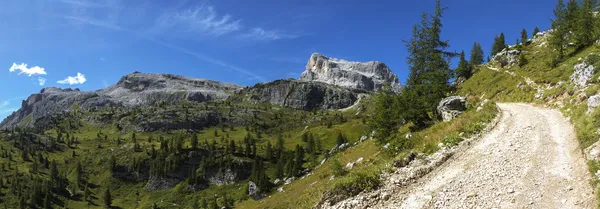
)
(90, 44)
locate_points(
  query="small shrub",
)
(452, 140)
(338, 168)
(356, 182)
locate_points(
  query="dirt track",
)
(531, 159)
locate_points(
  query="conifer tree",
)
(571, 16)
(536, 30)
(194, 141)
(558, 38)
(585, 29)
(463, 70)
(429, 68)
(269, 152)
(107, 198)
(524, 36)
(476, 55)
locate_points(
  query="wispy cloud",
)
(201, 19)
(82, 3)
(79, 79)
(6, 107)
(266, 35)
(41, 81)
(197, 55)
(35, 70)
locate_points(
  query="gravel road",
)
(531, 159)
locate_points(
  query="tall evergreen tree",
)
(558, 38)
(524, 36)
(585, 30)
(107, 198)
(194, 141)
(536, 30)
(463, 70)
(476, 55)
(429, 69)
(571, 16)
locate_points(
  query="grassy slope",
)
(556, 90)
(307, 192)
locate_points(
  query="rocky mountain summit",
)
(368, 76)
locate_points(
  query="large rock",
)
(593, 152)
(451, 107)
(593, 102)
(507, 57)
(132, 90)
(302, 95)
(368, 76)
(582, 73)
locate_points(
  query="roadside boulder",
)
(593, 102)
(582, 73)
(593, 152)
(451, 107)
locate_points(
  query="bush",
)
(338, 169)
(452, 140)
(356, 182)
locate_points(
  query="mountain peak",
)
(369, 76)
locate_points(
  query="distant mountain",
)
(368, 76)
(327, 83)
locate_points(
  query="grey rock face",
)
(368, 76)
(593, 102)
(507, 57)
(132, 90)
(451, 107)
(302, 95)
(583, 72)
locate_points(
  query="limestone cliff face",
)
(302, 95)
(368, 76)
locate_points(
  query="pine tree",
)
(536, 30)
(337, 168)
(269, 152)
(571, 16)
(299, 160)
(476, 55)
(429, 68)
(463, 70)
(107, 198)
(194, 141)
(558, 37)
(524, 36)
(112, 163)
(522, 60)
(585, 30)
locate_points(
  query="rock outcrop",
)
(132, 90)
(451, 107)
(582, 73)
(302, 95)
(593, 102)
(507, 58)
(368, 76)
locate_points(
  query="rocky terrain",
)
(368, 76)
(531, 159)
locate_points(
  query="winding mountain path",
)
(531, 159)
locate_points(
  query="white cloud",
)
(79, 79)
(42, 81)
(202, 19)
(35, 70)
(262, 34)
